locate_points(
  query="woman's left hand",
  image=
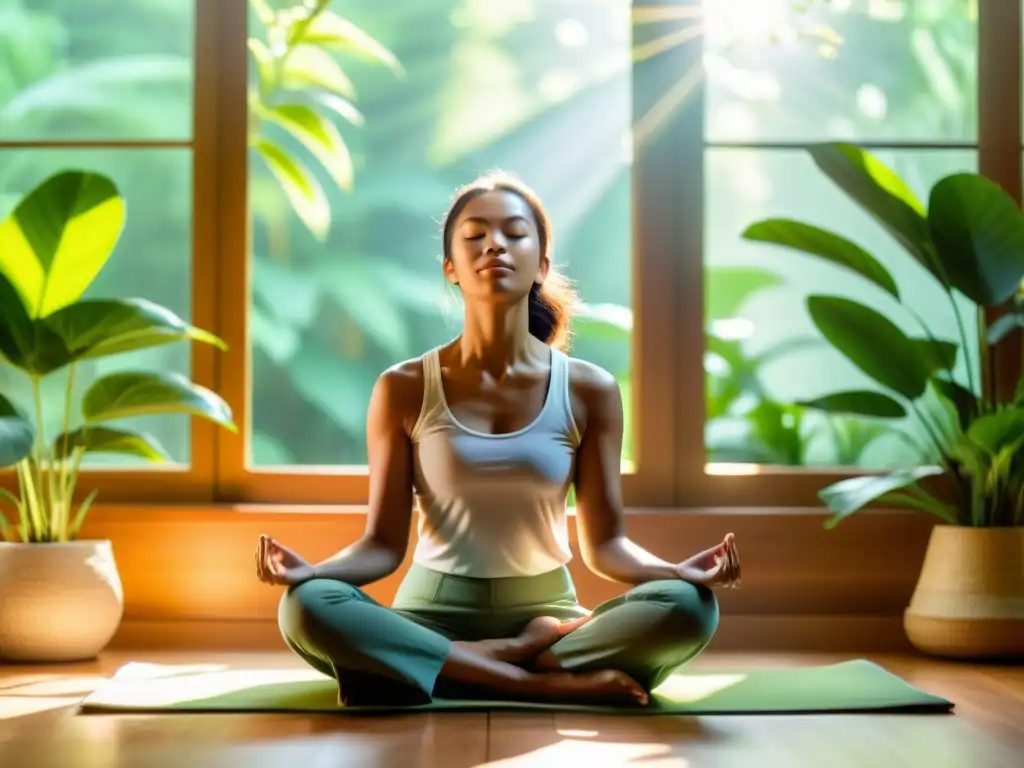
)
(715, 567)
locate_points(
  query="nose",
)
(496, 243)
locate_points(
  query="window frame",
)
(194, 482)
(667, 265)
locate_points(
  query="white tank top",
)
(492, 506)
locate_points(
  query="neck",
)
(495, 338)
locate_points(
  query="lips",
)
(496, 266)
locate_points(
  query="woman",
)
(486, 434)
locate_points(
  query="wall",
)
(189, 581)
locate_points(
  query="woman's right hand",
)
(280, 566)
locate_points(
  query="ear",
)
(542, 270)
(449, 271)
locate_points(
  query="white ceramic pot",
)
(58, 602)
(969, 600)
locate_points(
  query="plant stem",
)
(943, 459)
(967, 350)
(66, 492)
(40, 443)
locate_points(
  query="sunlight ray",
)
(667, 42)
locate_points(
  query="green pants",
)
(394, 655)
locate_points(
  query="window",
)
(899, 76)
(284, 180)
(107, 86)
(345, 247)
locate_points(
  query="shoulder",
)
(594, 393)
(398, 392)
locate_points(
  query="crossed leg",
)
(381, 655)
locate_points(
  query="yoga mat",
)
(855, 686)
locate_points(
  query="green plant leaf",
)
(263, 12)
(962, 399)
(340, 106)
(858, 403)
(302, 190)
(847, 496)
(126, 394)
(308, 67)
(1018, 397)
(264, 65)
(881, 193)
(993, 431)
(320, 137)
(27, 344)
(104, 439)
(605, 322)
(16, 434)
(978, 232)
(826, 245)
(59, 237)
(938, 355)
(332, 31)
(83, 509)
(925, 503)
(102, 327)
(728, 288)
(872, 343)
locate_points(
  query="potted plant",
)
(60, 596)
(969, 599)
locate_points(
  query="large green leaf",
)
(826, 245)
(24, 343)
(126, 394)
(880, 192)
(332, 31)
(993, 431)
(307, 66)
(954, 398)
(319, 136)
(101, 327)
(938, 354)
(103, 439)
(16, 434)
(847, 496)
(59, 237)
(302, 190)
(978, 232)
(728, 288)
(872, 343)
(858, 403)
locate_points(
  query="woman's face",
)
(495, 248)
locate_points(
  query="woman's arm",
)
(378, 553)
(606, 549)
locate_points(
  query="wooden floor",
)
(39, 729)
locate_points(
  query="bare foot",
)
(539, 635)
(604, 687)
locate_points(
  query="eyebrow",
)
(482, 220)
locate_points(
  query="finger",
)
(256, 559)
(735, 555)
(261, 569)
(573, 624)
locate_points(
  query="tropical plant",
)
(744, 422)
(299, 86)
(970, 239)
(52, 246)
